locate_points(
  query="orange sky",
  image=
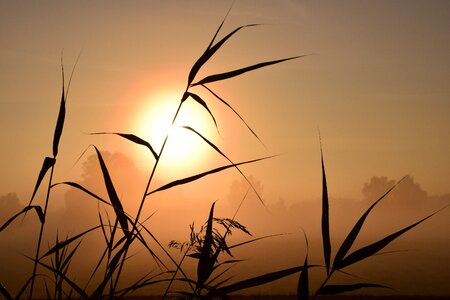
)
(377, 88)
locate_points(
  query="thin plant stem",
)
(41, 231)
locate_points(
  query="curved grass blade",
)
(37, 208)
(205, 263)
(61, 116)
(199, 100)
(66, 242)
(260, 280)
(5, 292)
(211, 50)
(351, 237)
(46, 165)
(221, 153)
(200, 175)
(80, 187)
(254, 240)
(333, 289)
(72, 284)
(133, 138)
(303, 281)
(234, 73)
(325, 217)
(115, 201)
(237, 114)
(371, 249)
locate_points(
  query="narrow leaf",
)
(115, 201)
(63, 244)
(37, 208)
(325, 217)
(5, 292)
(237, 114)
(210, 51)
(371, 249)
(60, 120)
(199, 100)
(260, 280)
(205, 265)
(72, 284)
(351, 237)
(336, 289)
(303, 281)
(234, 73)
(200, 175)
(46, 165)
(80, 187)
(133, 138)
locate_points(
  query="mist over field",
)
(417, 265)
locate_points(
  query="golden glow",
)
(184, 151)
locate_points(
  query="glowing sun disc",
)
(184, 150)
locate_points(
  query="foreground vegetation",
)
(206, 245)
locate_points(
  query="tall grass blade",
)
(205, 263)
(226, 157)
(259, 280)
(5, 292)
(234, 73)
(65, 243)
(61, 116)
(337, 289)
(211, 50)
(72, 284)
(38, 210)
(115, 201)
(236, 113)
(46, 165)
(199, 100)
(371, 249)
(80, 187)
(200, 175)
(133, 138)
(351, 237)
(325, 217)
(303, 281)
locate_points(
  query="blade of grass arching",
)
(200, 101)
(65, 243)
(205, 265)
(200, 175)
(226, 157)
(333, 289)
(80, 187)
(47, 164)
(303, 281)
(373, 248)
(115, 201)
(37, 208)
(351, 237)
(5, 292)
(234, 73)
(260, 280)
(211, 50)
(254, 240)
(325, 217)
(66, 279)
(133, 138)
(236, 113)
(47, 291)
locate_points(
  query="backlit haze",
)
(376, 85)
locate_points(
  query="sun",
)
(184, 152)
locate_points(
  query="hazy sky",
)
(377, 86)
